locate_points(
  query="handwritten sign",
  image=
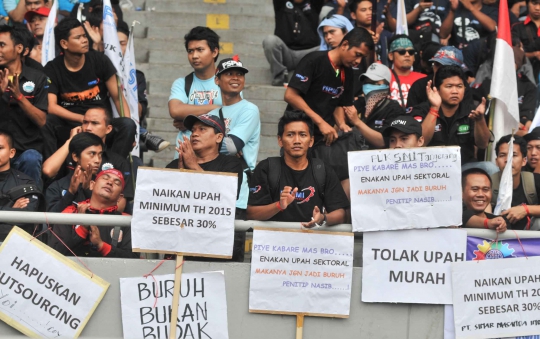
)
(42, 293)
(496, 298)
(411, 266)
(405, 188)
(202, 312)
(301, 272)
(184, 212)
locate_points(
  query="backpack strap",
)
(399, 87)
(188, 82)
(115, 236)
(319, 173)
(527, 178)
(496, 180)
(274, 174)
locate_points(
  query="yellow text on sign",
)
(226, 48)
(215, 1)
(217, 21)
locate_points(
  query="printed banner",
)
(496, 298)
(42, 293)
(301, 272)
(405, 188)
(202, 309)
(411, 266)
(184, 212)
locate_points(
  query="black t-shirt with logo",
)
(322, 87)
(307, 196)
(519, 198)
(473, 28)
(79, 91)
(26, 133)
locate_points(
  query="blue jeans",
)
(29, 162)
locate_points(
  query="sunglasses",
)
(405, 51)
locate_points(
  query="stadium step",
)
(180, 20)
(251, 8)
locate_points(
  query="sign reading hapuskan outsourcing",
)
(184, 212)
(42, 293)
(202, 313)
(396, 189)
(496, 298)
(306, 272)
(411, 266)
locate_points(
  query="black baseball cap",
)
(230, 63)
(404, 123)
(207, 119)
(534, 135)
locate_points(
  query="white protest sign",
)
(496, 298)
(202, 311)
(396, 189)
(411, 266)
(184, 212)
(42, 293)
(301, 272)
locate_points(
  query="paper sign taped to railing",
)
(295, 271)
(42, 293)
(496, 298)
(396, 189)
(412, 266)
(184, 212)
(202, 311)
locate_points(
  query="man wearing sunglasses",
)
(401, 55)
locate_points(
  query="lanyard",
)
(338, 70)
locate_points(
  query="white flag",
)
(130, 86)
(114, 51)
(506, 187)
(401, 25)
(536, 121)
(48, 49)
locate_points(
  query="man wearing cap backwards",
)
(36, 22)
(323, 83)
(445, 56)
(404, 132)
(242, 122)
(23, 105)
(401, 54)
(375, 109)
(93, 241)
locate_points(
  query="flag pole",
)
(489, 151)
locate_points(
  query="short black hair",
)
(474, 170)
(429, 49)
(358, 36)
(82, 141)
(123, 27)
(517, 141)
(63, 29)
(27, 38)
(293, 116)
(7, 134)
(108, 114)
(203, 33)
(446, 72)
(353, 5)
(17, 35)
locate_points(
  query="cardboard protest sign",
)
(202, 312)
(42, 293)
(405, 188)
(304, 272)
(496, 298)
(184, 212)
(411, 266)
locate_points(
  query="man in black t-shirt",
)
(477, 195)
(525, 193)
(323, 83)
(296, 187)
(79, 80)
(23, 107)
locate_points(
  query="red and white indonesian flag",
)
(48, 50)
(503, 84)
(401, 24)
(125, 66)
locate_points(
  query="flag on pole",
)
(124, 66)
(503, 80)
(48, 50)
(506, 187)
(536, 121)
(401, 25)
